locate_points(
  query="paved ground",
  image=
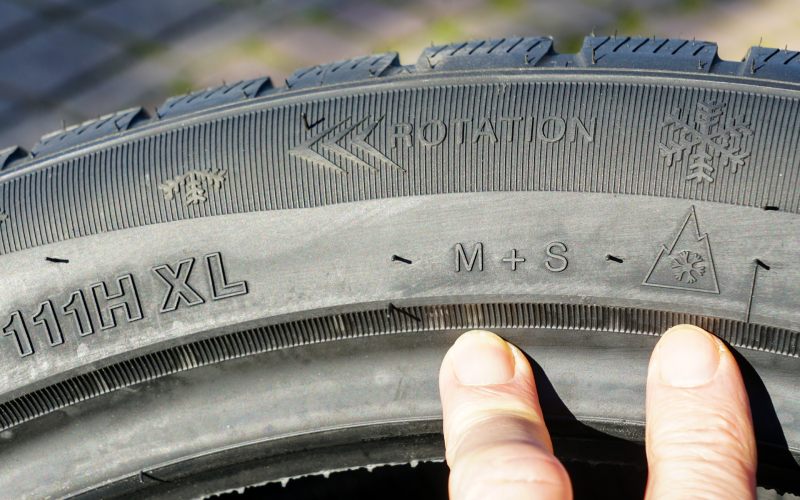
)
(65, 61)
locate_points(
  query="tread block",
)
(214, 96)
(360, 68)
(9, 155)
(765, 62)
(88, 131)
(478, 54)
(617, 52)
(647, 53)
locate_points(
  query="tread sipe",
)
(598, 52)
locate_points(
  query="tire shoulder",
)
(597, 52)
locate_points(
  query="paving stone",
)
(736, 26)
(11, 14)
(5, 106)
(73, 4)
(380, 20)
(146, 18)
(223, 36)
(314, 45)
(29, 126)
(236, 48)
(141, 84)
(50, 58)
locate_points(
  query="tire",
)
(259, 283)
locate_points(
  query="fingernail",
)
(482, 358)
(687, 356)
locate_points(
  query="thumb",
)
(496, 440)
(700, 440)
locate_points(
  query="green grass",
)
(146, 49)
(317, 15)
(569, 43)
(445, 30)
(254, 47)
(630, 22)
(507, 6)
(691, 5)
(180, 85)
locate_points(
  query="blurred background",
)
(66, 61)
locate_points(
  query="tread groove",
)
(534, 45)
(476, 47)
(622, 44)
(679, 47)
(513, 45)
(500, 42)
(791, 58)
(661, 45)
(641, 44)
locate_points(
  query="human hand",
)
(699, 433)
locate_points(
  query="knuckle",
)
(482, 431)
(519, 463)
(714, 433)
(706, 451)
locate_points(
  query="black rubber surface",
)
(258, 283)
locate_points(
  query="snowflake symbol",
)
(688, 266)
(194, 185)
(713, 139)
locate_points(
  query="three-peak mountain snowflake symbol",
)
(713, 139)
(686, 263)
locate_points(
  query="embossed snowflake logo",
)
(3, 217)
(688, 266)
(714, 139)
(194, 185)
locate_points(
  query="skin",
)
(699, 434)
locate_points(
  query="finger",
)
(496, 440)
(700, 441)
